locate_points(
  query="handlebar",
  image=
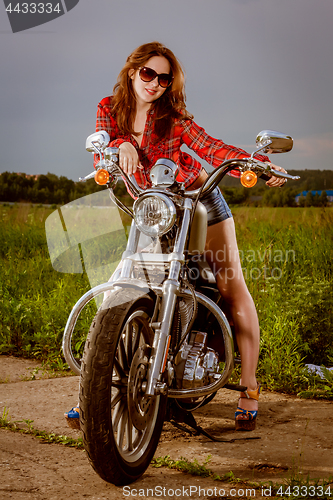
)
(115, 171)
(263, 170)
(87, 177)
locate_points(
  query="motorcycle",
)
(160, 345)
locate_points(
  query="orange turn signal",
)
(101, 176)
(249, 179)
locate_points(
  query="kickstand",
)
(179, 417)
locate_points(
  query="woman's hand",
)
(128, 158)
(276, 181)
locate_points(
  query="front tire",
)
(121, 428)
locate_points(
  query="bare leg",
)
(223, 257)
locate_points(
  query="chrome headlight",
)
(154, 214)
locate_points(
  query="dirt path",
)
(292, 432)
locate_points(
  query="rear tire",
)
(121, 428)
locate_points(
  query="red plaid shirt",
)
(213, 151)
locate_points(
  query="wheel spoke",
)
(122, 355)
(117, 383)
(129, 434)
(136, 337)
(119, 369)
(118, 413)
(122, 427)
(136, 439)
(129, 340)
(115, 399)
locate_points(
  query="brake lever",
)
(264, 171)
(284, 175)
(276, 173)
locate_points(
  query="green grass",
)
(286, 256)
(35, 300)
(287, 260)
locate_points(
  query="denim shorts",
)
(216, 206)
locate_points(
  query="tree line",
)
(51, 189)
(46, 189)
(310, 180)
(262, 195)
(285, 197)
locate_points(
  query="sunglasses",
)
(148, 75)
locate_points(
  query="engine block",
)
(195, 363)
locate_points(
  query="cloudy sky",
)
(250, 65)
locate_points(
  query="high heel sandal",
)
(248, 423)
(73, 418)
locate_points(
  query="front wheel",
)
(121, 427)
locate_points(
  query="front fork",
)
(170, 291)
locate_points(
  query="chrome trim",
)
(157, 258)
(131, 283)
(72, 319)
(213, 178)
(89, 176)
(260, 168)
(131, 247)
(284, 175)
(202, 299)
(170, 291)
(274, 142)
(170, 206)
(132, 184)
(83, 301)
(163, 173)
(229, 352)
(97, 141)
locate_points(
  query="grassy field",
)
(286, 257)
(289, 253)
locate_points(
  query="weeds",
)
(296, 485)
(299, 485)
(48, 369)
(183, 465)
(193, 468)
(46, 437)
(319, 387)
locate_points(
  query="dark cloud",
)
(250, 64)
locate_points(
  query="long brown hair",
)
(168, 107)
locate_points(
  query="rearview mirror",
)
(270, 141)
(97, 140)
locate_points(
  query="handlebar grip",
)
(265, 177)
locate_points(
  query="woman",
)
(146, 119)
